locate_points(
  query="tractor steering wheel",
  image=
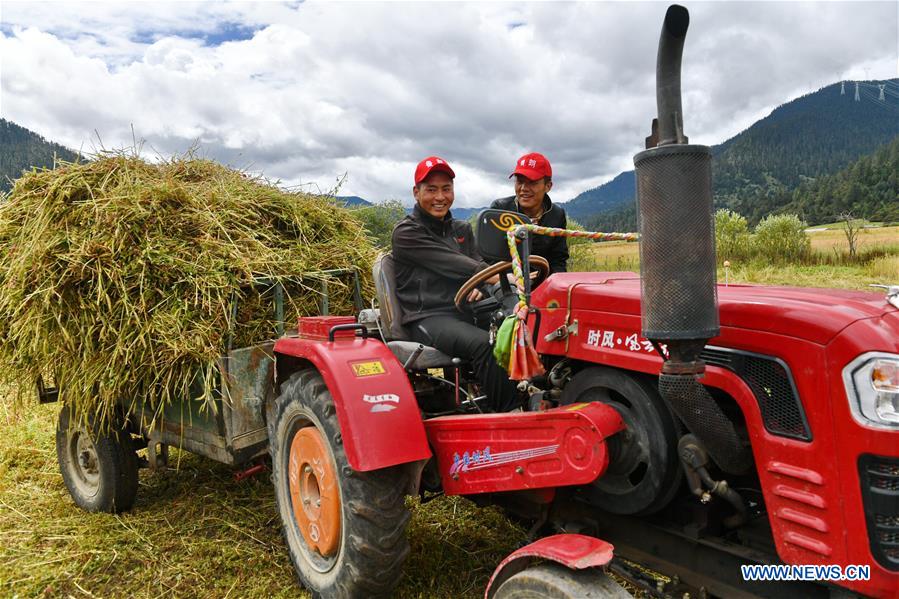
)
(537, 263)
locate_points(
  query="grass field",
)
(195, 532)
(835, 238)
(614, 256)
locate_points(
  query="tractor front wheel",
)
(99, 468)
(553, 581)
(345, 530)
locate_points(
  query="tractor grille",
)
(887, 521)
(880, 494)
(886, 484)
(772, 384)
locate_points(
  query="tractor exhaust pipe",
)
(677, 236)
(668, 96)
(679, 296)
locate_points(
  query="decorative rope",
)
(521, 309)
(517, 354)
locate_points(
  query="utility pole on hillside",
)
(842, 88)
(856, 91)
(882, 98)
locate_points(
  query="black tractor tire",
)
(372, 545)
(554, 581)
(98, 468)
(645, 471)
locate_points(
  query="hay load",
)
(118, 276)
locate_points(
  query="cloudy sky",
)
(305, 92)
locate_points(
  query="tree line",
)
(22, 150)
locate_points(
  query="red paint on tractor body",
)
(379, 419)
(488, 453)
(816, 315)
(318, 327)
(812, 489)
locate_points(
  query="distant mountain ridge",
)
(814, 135)
(349, 201)
(867, 188)
(22, 149)
(608, 196)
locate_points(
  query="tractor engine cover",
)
(489, 453)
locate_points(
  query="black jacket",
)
(554, 249)
(433, 258)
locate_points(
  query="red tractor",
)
(698, 428)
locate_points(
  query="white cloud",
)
(307, 92)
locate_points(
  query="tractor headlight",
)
(872, 386)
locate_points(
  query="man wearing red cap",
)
(533, 180)
(434, 255)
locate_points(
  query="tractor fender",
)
(573, 551)
(380, 425)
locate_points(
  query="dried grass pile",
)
(117, 275)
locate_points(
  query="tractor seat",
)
(395, 335)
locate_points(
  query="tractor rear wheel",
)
(345, 530)
(553, 581)
(98, 468)
(644, 469)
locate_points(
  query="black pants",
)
(458, 338)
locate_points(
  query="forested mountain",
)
(21, 149)
(754, 171)
(622, 219)
(608, 196)
(869, 188)
(818, 134)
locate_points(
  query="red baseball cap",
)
(429, 165)
(533, 166)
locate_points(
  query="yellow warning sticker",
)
(368, 368)
(578, 406)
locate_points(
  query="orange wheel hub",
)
(314, 491)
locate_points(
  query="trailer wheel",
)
(554, 581)
(345, 530)
(99, 469)
(644, 469)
